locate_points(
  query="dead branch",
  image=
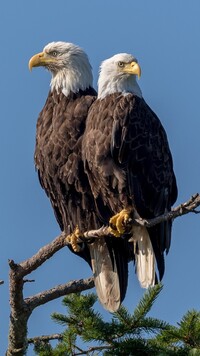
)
(21, 308)
(44, 338)
(58, 291)
(93, 349)
(182, 209)
(42, 255)
(185, 208)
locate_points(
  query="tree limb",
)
(182, 209)
(185, 208)
(42, 255)
(58, 291)
(92, 349)
(45, 338)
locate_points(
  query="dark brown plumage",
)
(58, 160)
(60, 127)
(128, 163)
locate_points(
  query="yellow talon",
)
(118, 223)
(73, 239)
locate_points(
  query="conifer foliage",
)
(86, 333)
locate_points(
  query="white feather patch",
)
(105, 275)
(144, 257)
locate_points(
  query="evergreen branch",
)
(153, 325)
(122, 337)
(77, 348)
(136, 323)
(190, 328)
(187, 334)
(170, 336)
(123, 315)
(146, 303)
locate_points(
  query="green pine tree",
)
(185, 337)
(126, 334)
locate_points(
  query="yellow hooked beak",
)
(132, 68)
(40, 59)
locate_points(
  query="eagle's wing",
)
(140, 147)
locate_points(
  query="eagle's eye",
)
(54, 53)
(121, 64)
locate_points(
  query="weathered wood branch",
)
(93, 349)
(45, 338)
(58, 291)
(42, 255)
(182, 209)
(21, 308)
(19, 314)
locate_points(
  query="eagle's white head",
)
(69, 65)
(118, 75)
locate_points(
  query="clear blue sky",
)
(164, 36)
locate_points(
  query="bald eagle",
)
(58, 160)
(129, 164)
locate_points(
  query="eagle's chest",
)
(102, 134)
(57, 138)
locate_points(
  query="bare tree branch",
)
(58, 291)
(185, 208)
(42, 255)
(21, 308)
(92, 349)
(45, 338)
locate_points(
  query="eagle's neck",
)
(71, 80)
(118, 84)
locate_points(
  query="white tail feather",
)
(144, 257)
(105, 275)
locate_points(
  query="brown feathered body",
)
(58, 160)
(129, 164)
(60, 127)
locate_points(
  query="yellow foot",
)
(74, 239)
(119, 222)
